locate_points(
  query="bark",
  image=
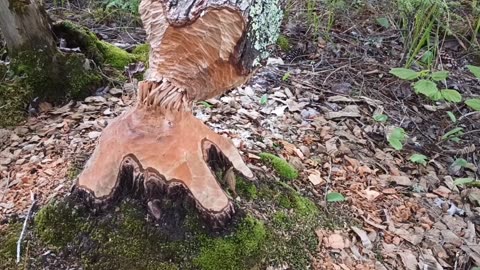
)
(46, 72)
(25, 26)
(199, 49)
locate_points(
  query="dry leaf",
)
(409, 259)
(363, 236)
(315, 177)
(335, 241)
(370, 194)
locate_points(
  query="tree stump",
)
(199, 49)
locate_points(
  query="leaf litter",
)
(408, 217)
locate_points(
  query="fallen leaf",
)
(315, 178)
(370, 194)
(442, 191)
(409, 259)
(348, 112)
(335, 241)
(363, 236)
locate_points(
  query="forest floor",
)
(314, 106)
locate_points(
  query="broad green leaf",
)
(455, 139)
(427, 57)
(383, 22)
(460, 162)
(437, 96)
(451, 95)
(454, 132)
(380, 118)
(439, 75)
(452, 117)
(463, 181)
(419, 158)
(263, 99)
(335, 197)
(475, 70)
(396, 144)
(473, 103)
(426, 87)
(396, 138)
(405, 73)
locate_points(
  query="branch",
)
(19, 243)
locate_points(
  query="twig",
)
(19, 243)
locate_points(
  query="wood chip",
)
(363, 237)
(315, 178)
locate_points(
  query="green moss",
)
(55, 77)
(246, 189)
(14, 99)
(281, 166)
(8, 246)
(142, 51)
(238, 251)
(57, 224)
(125, 239)
(115, 56)
(283, 43)
(100, 51)
(80, 80)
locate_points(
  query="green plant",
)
(453, 135)
(264, 99)
(462, 163)
(335, 197)
(286, 76)
(313, 18)
(427, 84)
(382, 21)
(380, 118)
(475, 70)
(452, 117)
(396, 138)
(422, 21)
(205, 104)
(473, 103)
(419, 159)
(463, 181)
(130, 6)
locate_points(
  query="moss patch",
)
(283, 233)
(142, 51)
(100, 51)
(281, 166)
(54, 78)
(8, 246)
(238, 251)
(14, 99)
(246, 189)
(283, 43)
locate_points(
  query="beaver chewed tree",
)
(199, 49)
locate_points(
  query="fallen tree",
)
(199, 49)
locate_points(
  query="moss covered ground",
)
(274, 225)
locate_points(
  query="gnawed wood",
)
(199, 49)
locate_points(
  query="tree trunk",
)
(158, 149)
(46, 72)
(25, 26)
